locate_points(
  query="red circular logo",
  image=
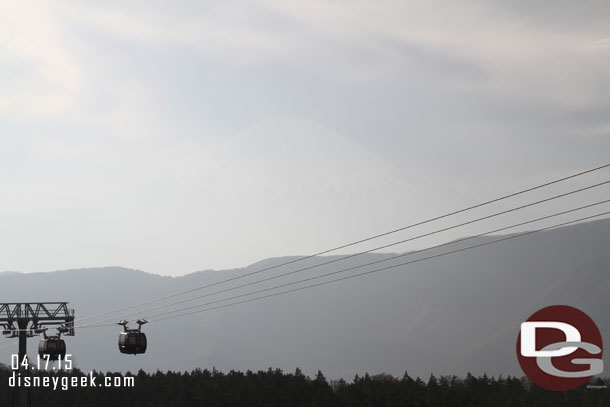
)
(560, 348)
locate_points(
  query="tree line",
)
(274, 387)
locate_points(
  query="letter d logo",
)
(528, 338)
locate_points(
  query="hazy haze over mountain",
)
(169, 136)
(451, 315)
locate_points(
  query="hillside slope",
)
(450, 315)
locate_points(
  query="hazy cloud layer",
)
(178, 136)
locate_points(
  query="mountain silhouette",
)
(450, 315)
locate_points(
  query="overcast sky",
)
(178, 136)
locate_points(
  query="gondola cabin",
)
(52, 348)
(132, 341)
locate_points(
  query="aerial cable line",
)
(99, 323)
(524, 191)
(386, 268)
(358, 254)
(331, 261)
(380, 261)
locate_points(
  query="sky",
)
(180, 136)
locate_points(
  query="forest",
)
(274, 387)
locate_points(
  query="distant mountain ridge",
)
(450, 315)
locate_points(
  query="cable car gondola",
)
(52, 347)
(132, 341)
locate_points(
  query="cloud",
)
(41, 74)
(530, 60)
(131, 118)
(463, 47)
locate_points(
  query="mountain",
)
(450, 315)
